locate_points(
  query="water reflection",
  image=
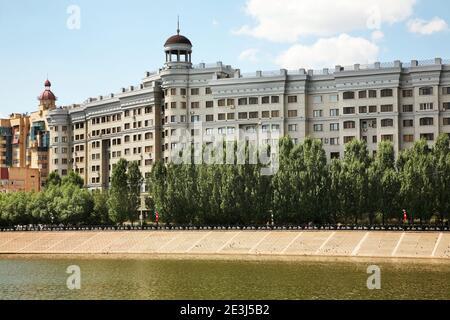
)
(42, 278)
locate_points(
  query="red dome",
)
(47, 94)
(178, 39)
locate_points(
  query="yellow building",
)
(25, 139)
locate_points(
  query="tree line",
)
(359, 188)
(66, 201)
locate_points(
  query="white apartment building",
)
(400, 102)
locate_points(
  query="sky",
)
(88, 48)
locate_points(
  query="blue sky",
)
(119, 40)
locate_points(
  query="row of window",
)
(96, 133)
(106, 119)
(138, 124)
(364, 94)
(137, 111)
(183, 91)
(407, 138)
(384, 124)
(229, 102)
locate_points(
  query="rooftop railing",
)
(208, 65)
(356, 67)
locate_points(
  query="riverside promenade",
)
(376, 244)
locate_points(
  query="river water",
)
(138, 278)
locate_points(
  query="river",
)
(24, 277)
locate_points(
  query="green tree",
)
(134, 181)
(441, 177)
(284, 192)
(334, 195)
(118, 201)
(74, 179)
(157, 188)
(313, 179)
(384, 183)
(355, 177)
(101, 212)
(53, 179)
(416, 174)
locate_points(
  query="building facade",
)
(25, 139)
(399, 102)
(15, 179)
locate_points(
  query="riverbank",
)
(233, 245)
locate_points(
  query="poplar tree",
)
(384, 183)
(416, 174)
(134, 182)
(157, 187)
(313, 181)
(441, 177)
(284, 192)
(354, 186)
(118, 201)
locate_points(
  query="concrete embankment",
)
(432, 245)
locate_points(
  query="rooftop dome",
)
(47, 94)
(177, 39)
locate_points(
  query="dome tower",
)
(178, 51)
(47, 98)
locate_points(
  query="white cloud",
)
(427, 27)
(215, 22)
(377, 35)
(251, 55)
(288, 20)
(328, 52)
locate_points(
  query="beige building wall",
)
(21, 179)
